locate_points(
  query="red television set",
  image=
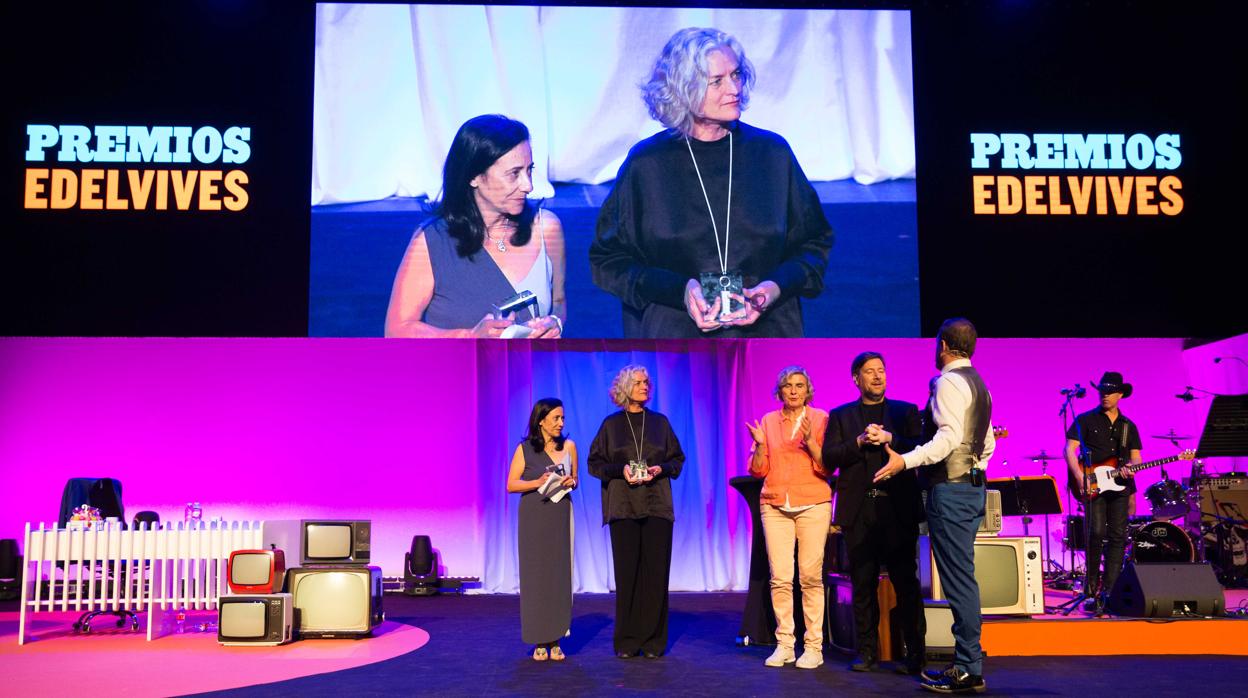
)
(256, 571)
(261, 620)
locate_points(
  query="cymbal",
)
(1042, 456)
(1171, 436)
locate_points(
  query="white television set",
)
(1010, 572)
(263, 620)
(336, 601)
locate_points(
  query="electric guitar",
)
(1105, 476)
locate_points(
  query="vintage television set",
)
(336, 601)
(1010, 572)
(257, 620)
(256, 571)
(322, 541)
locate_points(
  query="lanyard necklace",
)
(636, 441)
(721, 253)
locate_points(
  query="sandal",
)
(539, 654)
(557, 654)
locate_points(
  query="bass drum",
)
(1161, 541)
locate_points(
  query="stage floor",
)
(474, 648)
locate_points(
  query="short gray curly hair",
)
(788, 372)
(623, 382)
(678, 81)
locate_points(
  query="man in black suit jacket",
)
(880, 521)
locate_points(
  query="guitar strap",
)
(1123, 453)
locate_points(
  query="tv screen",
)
(996, 569)
(243, 620)
(250, 569)
(328, 541)
(396, 82)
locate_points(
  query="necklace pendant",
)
(502, 247)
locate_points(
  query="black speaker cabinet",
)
(1162, 590)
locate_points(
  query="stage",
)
(470, 645)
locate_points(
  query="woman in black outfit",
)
(636, 456)
(709, 195)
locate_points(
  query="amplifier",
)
(991, 524)
(1225, 482)
(1224, 497)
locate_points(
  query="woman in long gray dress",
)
(545, 531)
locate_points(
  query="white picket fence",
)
(170, 566)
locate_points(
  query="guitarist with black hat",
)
(1096, 436)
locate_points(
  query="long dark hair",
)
(480, 142)
(543, 407)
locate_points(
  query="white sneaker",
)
(810, 659)
(782, 656)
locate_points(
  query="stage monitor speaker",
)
(1162, 590)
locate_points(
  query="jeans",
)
(809, 528)
(954, 512)
(1107, 530)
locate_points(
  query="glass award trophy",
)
(728, 288)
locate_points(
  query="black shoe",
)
(935, 674)
(865, 662)
(912, 666)
(625, 655)
(651, 655)
(953, 680)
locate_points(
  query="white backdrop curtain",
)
(394, 82)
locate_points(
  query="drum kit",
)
(1179, 529)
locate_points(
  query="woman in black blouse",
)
(709, 195)
(636, 456)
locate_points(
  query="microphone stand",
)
(1067, 412)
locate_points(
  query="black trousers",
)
(642, 552)
(877, 539)
(1107, 531)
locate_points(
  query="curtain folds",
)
(695, 386)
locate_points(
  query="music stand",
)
(1027, 495)
(1226, 428)
(1225, 434)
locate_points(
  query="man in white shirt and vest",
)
(956, 456)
